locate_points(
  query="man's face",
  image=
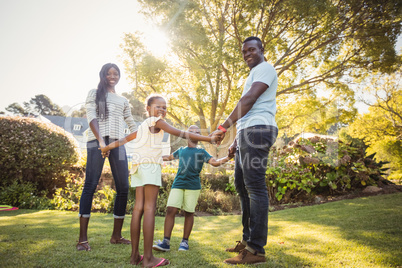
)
(252, 53)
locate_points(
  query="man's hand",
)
(217, 136)
(232, 149)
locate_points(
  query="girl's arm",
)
(120, 142)
(183, 134)
(168, 157)
(217, 162)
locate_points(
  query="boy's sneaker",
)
(239, 247)
(246, 257)
(162, 246)
(184, 246)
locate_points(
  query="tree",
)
(314, 46)
(41, 104)
(15, 108)
(79, 113)
(137, 107)
(381, 127)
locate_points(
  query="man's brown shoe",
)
(246, 257)
(239, 247)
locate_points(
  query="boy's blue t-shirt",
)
(190, 166)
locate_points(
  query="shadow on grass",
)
(373, 223)
(17, 212)
(210, 237)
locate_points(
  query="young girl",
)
(147, 176)
(186, 188)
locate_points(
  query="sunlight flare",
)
(156, 42)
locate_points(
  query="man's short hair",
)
(253, 38)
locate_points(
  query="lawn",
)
(363, 232)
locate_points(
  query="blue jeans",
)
(251, 161)
(118, 165)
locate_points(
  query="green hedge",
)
(35, 152)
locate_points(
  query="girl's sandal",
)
(84, 245)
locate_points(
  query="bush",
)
(24, 196)
(35, 152)
(215, 181)
(319, 166)
(212, 198)
(217, 202)
(68, 197)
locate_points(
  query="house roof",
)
(68, 123)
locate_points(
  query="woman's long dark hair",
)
(101, 107)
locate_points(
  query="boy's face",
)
(195, 130)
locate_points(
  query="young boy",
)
(186, 188)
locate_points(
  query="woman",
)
(106, 113)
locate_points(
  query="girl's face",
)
(112, 77)
(157, 108)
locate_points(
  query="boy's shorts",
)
(144, 174)
(183, 199)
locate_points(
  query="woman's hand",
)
(105, 149)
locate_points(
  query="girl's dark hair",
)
(153, 97)
(101, 107)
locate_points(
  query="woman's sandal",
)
(122, 240)
(84, 245)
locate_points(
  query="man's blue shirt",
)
(264, 109)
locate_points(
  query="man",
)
(256, 133)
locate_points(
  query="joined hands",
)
(217, 136)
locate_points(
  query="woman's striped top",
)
(118, 112)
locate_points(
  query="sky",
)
(57, 47)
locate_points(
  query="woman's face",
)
(112, 77)
(157, 108)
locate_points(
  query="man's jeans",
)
(251, 161)
(119, 167)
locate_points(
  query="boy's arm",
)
(120, 142)
(168, 157)
(217, 162)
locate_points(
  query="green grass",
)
(364, 232)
